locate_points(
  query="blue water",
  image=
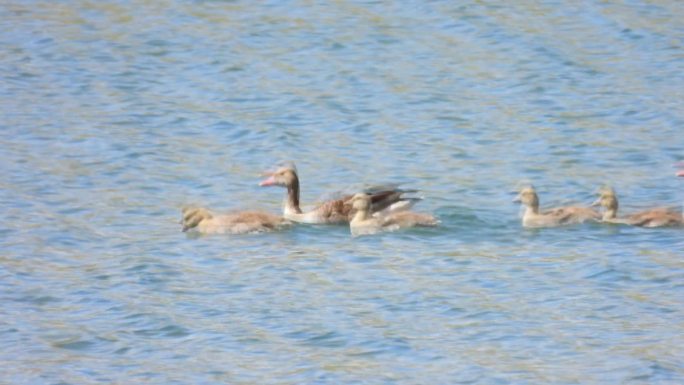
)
(113, 115)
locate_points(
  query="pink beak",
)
(270, 181)
(679, 165)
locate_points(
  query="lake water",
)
(116, 114)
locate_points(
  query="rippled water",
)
(115, 114)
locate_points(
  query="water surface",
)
(115, 115)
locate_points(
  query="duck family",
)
(385, 208)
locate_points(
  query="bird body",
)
(334, 211)
(656, 217)
(365, 223)
(558, 216)
(203, 221)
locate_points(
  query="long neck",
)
(292, 203)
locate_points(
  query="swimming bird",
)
(365, 223)
(203, 221)
(558, 216)
(657, 217)
(333, 211)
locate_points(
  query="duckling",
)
(657, 217)
(365, 223)
(204, 221)
(558, 216)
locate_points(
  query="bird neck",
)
(292, 200)
(361, 215)
(611, 210)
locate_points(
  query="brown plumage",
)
(365, 223)
(204, 221)
(559, 216)
(657, 217)
(332, 211)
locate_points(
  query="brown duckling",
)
(204, 221)
(657, 217)
(365, 223)
(554, 217)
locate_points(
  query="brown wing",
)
(335, 211)
(564, 216)
(567, 215)
(341, 211)
(405, 219)
(257, 219)
(656, 218)
(384, 199)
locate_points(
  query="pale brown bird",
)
(554, 217)
(365, 223)
(204, 221)
(656, 217)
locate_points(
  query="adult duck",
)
(334, 211)
(363, 222)
(201, 220)
(657, 217)
(554, 217)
